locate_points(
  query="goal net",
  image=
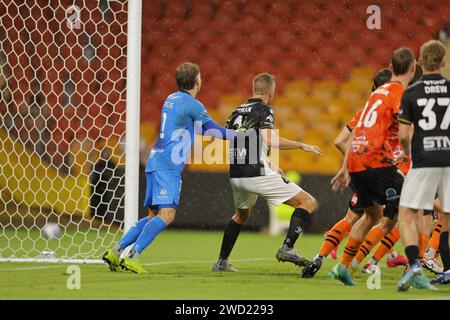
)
(63, 69)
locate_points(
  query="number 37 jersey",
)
(426, 105)
(376, 130)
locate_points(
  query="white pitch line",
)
(158, 263)
(30, 268)
(202, 261)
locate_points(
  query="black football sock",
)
(445, 251)
(412, 252)
(299, 220)
(229, 239)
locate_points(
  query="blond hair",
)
(432, 54)
(263, 83)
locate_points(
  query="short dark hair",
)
(401, 60)
(383, 76)
(262, 83)
(186, 75)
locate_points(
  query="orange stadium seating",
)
(320, 51)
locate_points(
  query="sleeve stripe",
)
(404, 121)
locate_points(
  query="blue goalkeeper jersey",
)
(180, 116)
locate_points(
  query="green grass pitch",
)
(179, 264)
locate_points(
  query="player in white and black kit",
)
(253, 175)
(426, 105)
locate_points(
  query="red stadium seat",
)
(229, 8)
(234, 39)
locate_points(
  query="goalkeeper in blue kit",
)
(182, 114)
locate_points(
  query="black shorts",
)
(380, 186)
(355, 203)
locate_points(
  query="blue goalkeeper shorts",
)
(163, 189)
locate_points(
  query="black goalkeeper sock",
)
(299, 220)
(229, 239)
(412, 252)
(444, 250)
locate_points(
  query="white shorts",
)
(421, 186)
(274, 188)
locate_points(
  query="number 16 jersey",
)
(377, 125)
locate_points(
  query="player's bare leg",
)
(230, 236)
(408, 220)
(427, 223)
(304, 205)
(152, 213)
(352, 217)
(168, 215)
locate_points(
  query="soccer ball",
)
(51, 231)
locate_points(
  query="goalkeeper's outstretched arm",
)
(212, 129)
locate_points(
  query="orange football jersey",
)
(402, 162)
(376, 131)
(352, 123)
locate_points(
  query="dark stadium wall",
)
(207, 203)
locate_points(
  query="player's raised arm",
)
(343, 139)
(273, 140)
(212, 129)
(209, 127)
(342, 179)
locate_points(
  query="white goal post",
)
(69, 126)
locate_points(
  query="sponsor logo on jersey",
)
(436, 143)
(238, 153)
(358, 142)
